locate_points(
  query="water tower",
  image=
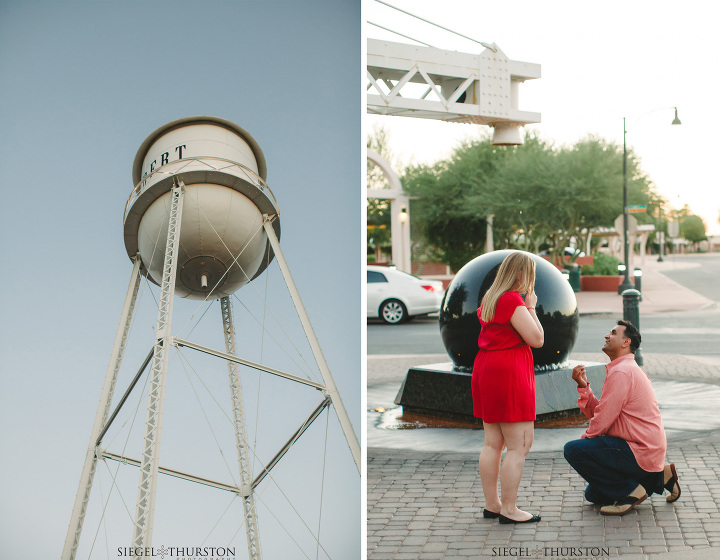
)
(200, 223)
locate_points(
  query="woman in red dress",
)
(503, 384)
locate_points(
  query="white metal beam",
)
(285, 448)
(251, 522)
(330, 387)
(468, 88)
(125, 396)
(147, 487)
(240, 490)
(88, 473)
(235, 359)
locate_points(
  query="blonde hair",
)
(516, 266)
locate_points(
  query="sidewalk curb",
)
(711, 305)
(682, 440)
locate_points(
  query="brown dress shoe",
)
(624, 505)
(672, 485)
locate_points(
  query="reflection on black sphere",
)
(556, 308)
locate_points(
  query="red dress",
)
(503, 378)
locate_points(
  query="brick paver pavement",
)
(428, 506)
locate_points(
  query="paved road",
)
(693, 333)
(419, 336)
(703, 279)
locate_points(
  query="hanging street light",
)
(626, 284)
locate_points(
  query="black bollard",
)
(631, 312)
(574, 277)
(637, 274)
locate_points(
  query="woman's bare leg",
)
(518, 437)
(489, 465)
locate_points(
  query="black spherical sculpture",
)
(556, 308)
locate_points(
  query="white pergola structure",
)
(638, 235)
(399, 212)
(429, 83)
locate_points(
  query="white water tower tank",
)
(222, 242)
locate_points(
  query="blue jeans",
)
(610, 468)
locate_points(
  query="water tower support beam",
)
(124, 398)
(88, 473)
(251, 527)
(331, 389)
(231, 358)
(296, 436)
(149, 463)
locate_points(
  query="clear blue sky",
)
(82, 85)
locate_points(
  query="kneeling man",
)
(622, 453)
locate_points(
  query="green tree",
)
(443, 216)
(539, 195)
(692, 228)
(520, 195)
(589, 190)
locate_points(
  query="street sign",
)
(632, 225)
(673, 229)
(637, 209)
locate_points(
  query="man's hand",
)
(579, 376)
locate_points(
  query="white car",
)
(394, 296)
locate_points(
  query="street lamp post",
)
(626, 284)
(405, 260)
(661, 238)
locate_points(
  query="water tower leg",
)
(88, 473)
(145, 510)
(240, 432)
(330, 387)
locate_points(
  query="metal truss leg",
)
(88, 473)
(147, 487)
(240, 432)
(330, 387)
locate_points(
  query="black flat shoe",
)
(672, 485)
(506, 520)
(487, 514)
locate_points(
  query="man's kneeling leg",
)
(606, 463)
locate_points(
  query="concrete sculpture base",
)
(439, 390)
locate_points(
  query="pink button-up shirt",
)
(627, 409)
